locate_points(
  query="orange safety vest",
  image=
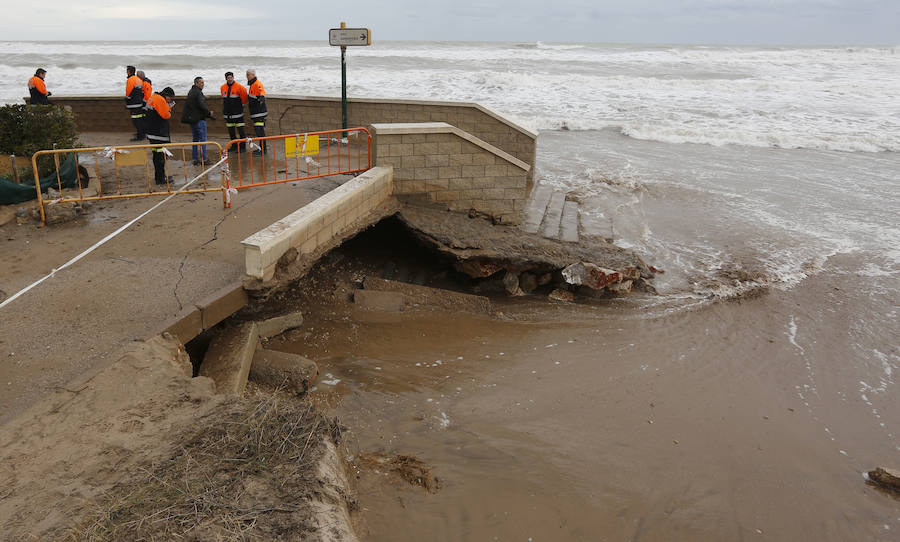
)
(257, 96)
(134, 95)
(234, 97)
(148, 90)
(38, 84)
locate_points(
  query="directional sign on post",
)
(349, 36)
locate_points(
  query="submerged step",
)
(568, 231)
(537, 206)
(553, 217)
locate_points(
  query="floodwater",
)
(744, 401)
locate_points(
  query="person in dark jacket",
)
(234, 97)
(195, 114)
(38, 89)
(134, 102)
(159, 110)
(258, 111)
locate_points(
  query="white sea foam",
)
(823, 98)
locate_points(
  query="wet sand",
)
(732, 421)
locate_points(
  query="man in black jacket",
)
(195, 114)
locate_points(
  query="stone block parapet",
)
(300, 114)
(454, 168)
(316, 224)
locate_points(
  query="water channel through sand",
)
(599, 422)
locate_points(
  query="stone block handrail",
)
(451, 167)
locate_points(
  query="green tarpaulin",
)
(11, 192)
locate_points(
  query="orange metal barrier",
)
(296, 157)
(113, 168)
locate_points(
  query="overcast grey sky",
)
(803, 22)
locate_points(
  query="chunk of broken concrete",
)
(229, 357)
(528, 282)
(562, 295)
(283, 370)
(511, 283)
(477, 269)
(279, 324)
(425, 296)
(887, 478)
(590, 275)
(383, 301)
(58, 213)
(623, 287)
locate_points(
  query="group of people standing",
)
(150, 113)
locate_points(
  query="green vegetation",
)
(24, 130)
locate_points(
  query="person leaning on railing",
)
(158, 114)
(195, 113)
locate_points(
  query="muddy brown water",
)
(731, 421)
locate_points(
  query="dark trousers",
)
(159, 166)
(239, 126)
(138, 122)
(198, 133)
(259, 128)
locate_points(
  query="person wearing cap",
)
(38, 89)
(234, 97)
(195, 113)
(134, 102)
(258, 112)
(159, 110)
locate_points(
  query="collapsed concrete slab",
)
(292, 372)
(230, 355)
(276, 326)
(424, 296)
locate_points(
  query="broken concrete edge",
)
(288, 274)
(229, 357)
(406, 128)
(379, 293)
(314, 224)
(277, 325)
(195, 318)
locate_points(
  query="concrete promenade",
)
(75, 323)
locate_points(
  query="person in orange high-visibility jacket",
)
(134, 102)
(37, 89)
(258, 112)
(234, 97)
(159, 111)
(146, 86)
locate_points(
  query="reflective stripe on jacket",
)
(234, 97)
(134, 96)
(257, 97)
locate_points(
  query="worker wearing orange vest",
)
(234, 97)
(258, 112)
(146, 86)
(134, 102)
(37, 89)
(159, 111)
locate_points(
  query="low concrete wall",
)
(315, 225)
(298, 114)
(454, 168)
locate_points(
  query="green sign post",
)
(344, 37)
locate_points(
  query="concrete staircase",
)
(549, 213)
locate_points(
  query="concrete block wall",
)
(295, 114)
(316, 224)
(454, 168)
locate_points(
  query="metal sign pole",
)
(343, 87)
(343, 37)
